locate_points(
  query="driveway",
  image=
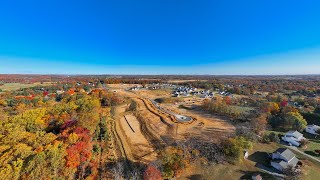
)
(268, 170)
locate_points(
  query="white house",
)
(60, 91)
(293, 137)
(282, 158)
(312, 129)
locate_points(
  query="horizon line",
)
(62, 74)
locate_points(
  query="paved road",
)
(269, 170)
(303, 153)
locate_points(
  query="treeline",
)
(48, 139)
(252, 85)
(277, 114)
(246, 85)
(130, 81)
(234, 108)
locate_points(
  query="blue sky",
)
(160, 37)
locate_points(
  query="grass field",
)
(242, 109)
(16, 86)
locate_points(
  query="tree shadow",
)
(248, 175)
(311, 137)
(312, 153)
(260, 157)
(195, 177)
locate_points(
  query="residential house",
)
(60, 92)
(176, 94)
(204, 96)
(293, 138)
(283, 158)
(313, 129)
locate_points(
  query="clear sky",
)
(160, 36)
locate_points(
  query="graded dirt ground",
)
(141, 148)
(206, 126)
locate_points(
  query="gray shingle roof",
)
(286, 153)
(285, 164)
(295, 133)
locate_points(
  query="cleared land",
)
(141, 148)
(164, 128)
(151, 129)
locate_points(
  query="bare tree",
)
(118, 170)
(291, 173)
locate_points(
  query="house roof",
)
(294, 161)
(285, 164)
(295, 133)
(286, 153)
(314, 126)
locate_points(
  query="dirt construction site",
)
(151, 127)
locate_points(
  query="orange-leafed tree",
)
(227, 100)
(271, 107)
(152, 173)
(81, 151)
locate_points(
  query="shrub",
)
(173, 162)
(233, 148)
(291, 173)
(265, 138)
(273, 137)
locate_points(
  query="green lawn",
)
(16, 86)
(276, 132)
(314, 144)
